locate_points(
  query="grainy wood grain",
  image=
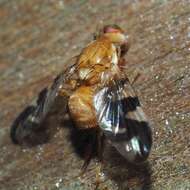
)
(38, 37)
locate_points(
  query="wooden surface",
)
(38, 37)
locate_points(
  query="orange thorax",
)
(98, 57)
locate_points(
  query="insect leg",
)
(101, 144)
(89, 151)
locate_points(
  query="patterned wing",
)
(123, 121)
(32, 117)
(47, 98)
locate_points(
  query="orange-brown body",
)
(97, 64)
(81, 107)
(100, 98)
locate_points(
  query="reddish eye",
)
(112, 30)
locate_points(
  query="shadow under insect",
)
(29, 135)
(27, 130)
(32, 134)
(125, 174)
(85, 144)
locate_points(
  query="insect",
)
(99, 96)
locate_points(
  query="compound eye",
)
(112, 29)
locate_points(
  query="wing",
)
(32, 117)
(123, 121)
(47, 97)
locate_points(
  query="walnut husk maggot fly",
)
(99, 96)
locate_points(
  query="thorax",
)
(98, 57)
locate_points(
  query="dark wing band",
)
(123, 121)
(47, 96)
(33, 116)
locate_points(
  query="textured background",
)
(38, 37)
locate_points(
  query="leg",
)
(94, 147)
(133, 76)
(101, 145)
(89, 149)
